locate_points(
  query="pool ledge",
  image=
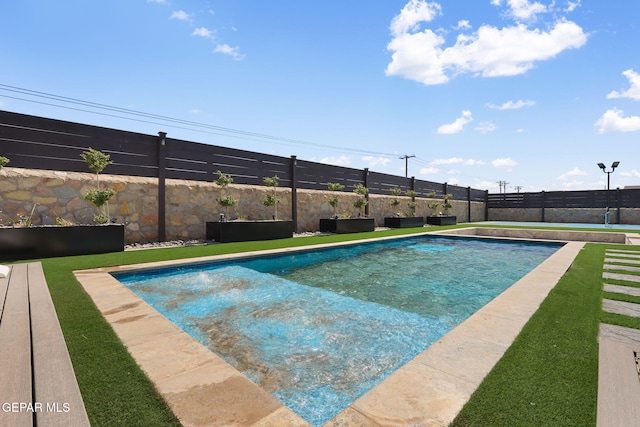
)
(542, 234)
(202, 389)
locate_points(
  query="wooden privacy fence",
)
(41, 143)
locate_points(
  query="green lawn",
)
(547, 377)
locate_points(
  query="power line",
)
(139, 115)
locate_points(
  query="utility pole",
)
(406, 158)
(518, 188)
(503, 184)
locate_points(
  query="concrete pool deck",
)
(202, 389)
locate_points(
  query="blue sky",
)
(534, 93)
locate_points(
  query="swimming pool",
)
(317, 329)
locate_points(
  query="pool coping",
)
(202, 389)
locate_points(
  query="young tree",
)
(224, 200)
(96, 162)
(271, 199)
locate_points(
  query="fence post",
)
(618, 203)
(468, 204)
(542, 202)
(294, 194)
(412, 184)
(162, 149)
(486, 205)
(366, 184)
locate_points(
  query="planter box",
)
(244, 231)
(347, 225)
(54, 241)
(442, 220)
(404, 222)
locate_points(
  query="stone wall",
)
(189, 204)
(566, 215)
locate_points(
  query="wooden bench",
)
(38, 385)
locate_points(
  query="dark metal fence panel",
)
(382, 183)
(39, 143)
(458, 193)
(630, 198)
(423, 188)
(478, 195)
(624, 198)
(316, 176)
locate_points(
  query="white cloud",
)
(195, 111)
(429, 171)
(634, 91)
(506, 163)
(486, 127)
(204, 32)
(420, 55)
(412, 14)
(633, 173)
(337, 161)
(614, 121)
(376, 161)
(522, 10)
(486, 185)
(457, 125)
(573, 172)
(457, 161)
(511, 105)
(463, 25)
(572, 5)
(569, 185)
(180, 15)
(158, 1)
(228, 50)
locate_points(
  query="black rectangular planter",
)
(347, 225)
(245, 231)
(442, 220)
(403, 222)
(54, 241)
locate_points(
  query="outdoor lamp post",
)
(604, 169)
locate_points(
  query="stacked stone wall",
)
(189, 204)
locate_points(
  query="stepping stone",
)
(623, 251)
(627, 290)
(620, 276)
(623, 254)
(621, 267)
(622, 260)
(621, 307)
(618, 385)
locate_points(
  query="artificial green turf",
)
(549, 376)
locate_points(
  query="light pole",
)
(604, 169)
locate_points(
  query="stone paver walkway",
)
(618, 375)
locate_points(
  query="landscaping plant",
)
(271, 199)
(96, 162)
(334, 201)
(224, 200)
(361, 201)
(412, 203)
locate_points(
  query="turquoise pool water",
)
(318, 329)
